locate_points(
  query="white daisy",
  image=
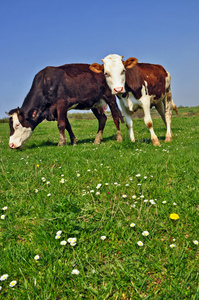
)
(195, 242)
(3, 277)
(13, 283)
(98, 186)
(36, 257)
(145, 233)
(140, 243)
(63, 243)
(75, 271)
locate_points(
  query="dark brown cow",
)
(54, 91)
(139, 85)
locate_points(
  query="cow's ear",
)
(130, 62)
(97, 68)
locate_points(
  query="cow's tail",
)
(174, 107)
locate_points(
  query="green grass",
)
(116, 268)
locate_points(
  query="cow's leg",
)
(128, 118)
(115, 115)
(71, 134)
(161, 110)
(168, 116)
(61, 122)
(148, 120)
(101, 121)
(61, 126)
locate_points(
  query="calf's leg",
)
(101, 121)
(71, 134)
(116, 115)
(168, 116)
(61, 122)
(148, 120)
(128, 118)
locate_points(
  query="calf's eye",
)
(17, 125)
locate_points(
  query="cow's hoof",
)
(74, 143)
(168, 139)
(98, 138)
(97, 141)
(119, 137)
(155, 142)
(62, 143)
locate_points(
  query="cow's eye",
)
(17, 125)
(106, 74)
(123, 72)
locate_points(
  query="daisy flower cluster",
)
(144, 233)
(72, 241)
(4, 277)
(3, 215)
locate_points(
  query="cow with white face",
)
(139, 85)
(55, 91)
(19, 133)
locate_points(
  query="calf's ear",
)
(130, 62)
(97, 68)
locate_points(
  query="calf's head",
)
(20, 129)
(114, 69)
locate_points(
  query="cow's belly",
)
(133, 104)
(100, 105)
(73, 106)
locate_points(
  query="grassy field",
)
(115, 190)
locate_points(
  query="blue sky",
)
(40, 33)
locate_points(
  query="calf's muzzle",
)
(118, 90)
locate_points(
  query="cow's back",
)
(75, 80)
(149, 75)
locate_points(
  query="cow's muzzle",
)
(13, 146)
(118, 90)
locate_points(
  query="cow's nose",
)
(12, 146)
(118, 90)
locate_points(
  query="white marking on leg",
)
(128, 117)
(168, 116)
(145, 100)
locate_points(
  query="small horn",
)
(7, 114)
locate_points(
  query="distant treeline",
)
(138, 114)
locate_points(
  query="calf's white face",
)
(114, 70)
(19, 134)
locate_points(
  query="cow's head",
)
(20, 128)
(114, 69)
